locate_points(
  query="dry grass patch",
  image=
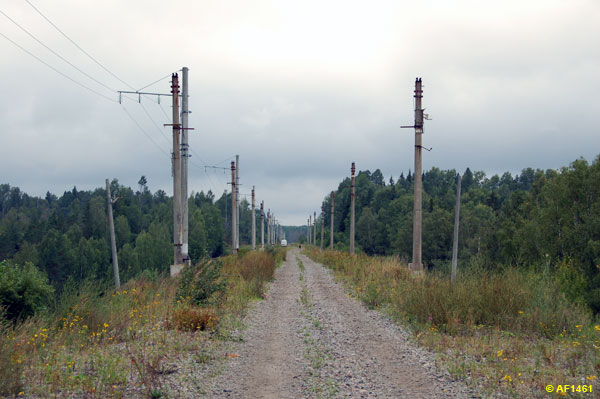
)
(122, 343)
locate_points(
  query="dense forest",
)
(544, 219)
(67, 237)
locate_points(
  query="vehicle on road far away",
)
(284, 243)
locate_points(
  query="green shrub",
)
(23, 290)
(201, 282)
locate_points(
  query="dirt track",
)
(308, 339)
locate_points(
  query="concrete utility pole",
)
(184, 165)
(262, 225)
(352, 200)
(113, 241)
(418, 216)
(456, 221)
(237, 202)
(322, 228)
(177, 217)
(269, 227)
(315, 229)
(331, 230)
(233, 215)
(417, 263)
(253, 223)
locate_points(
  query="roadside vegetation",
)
(128, 342)
(511, 330)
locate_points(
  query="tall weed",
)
(511, 299)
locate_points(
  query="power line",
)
(78, 46)
(164, 112)
(56, 70)
(154, 123)
(225, 160)
(55, 53)
(144, 132)
(156, 81)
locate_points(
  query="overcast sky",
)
(299, 89)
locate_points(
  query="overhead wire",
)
(56, 70)
(144, 131)
(154, 123)
(156, 81)
(78, 46)
(133, 119)
(99, 82)
(55, 53)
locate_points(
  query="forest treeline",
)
(549, 220)
(67, 237)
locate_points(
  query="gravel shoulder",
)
(371, 356)
(308, 339)
(271, 362)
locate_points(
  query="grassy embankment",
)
(511, 331)
(127, 342)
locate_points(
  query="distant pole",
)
(331, 229)
(237, 202)
(456, 221)
(315, 229)
(352, 201)
(269, 227)
(262, 224)
(184, 164)
(309, 230)
(233, 215)
(253, 222)
(177, 225)
(417, 263)
(113, 241)
(322, 228)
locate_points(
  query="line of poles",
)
(417, 263)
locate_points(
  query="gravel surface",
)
(308, 339)
(271, 361)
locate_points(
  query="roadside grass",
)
(511, 331)
(121, 343)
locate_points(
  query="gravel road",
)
(308, 339)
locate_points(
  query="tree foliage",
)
(67, 238)
(544, 219)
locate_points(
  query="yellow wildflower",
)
(507, 378)
(499, 353)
